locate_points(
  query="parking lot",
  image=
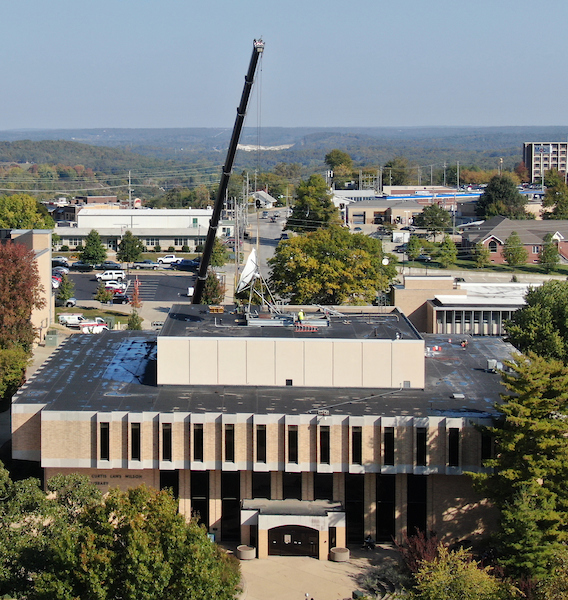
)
(162, 286)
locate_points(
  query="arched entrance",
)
(293, 540)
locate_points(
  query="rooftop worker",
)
(301, 315)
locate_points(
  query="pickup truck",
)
(93, 327)
(145, 264)
(77, 319)
(169, 259)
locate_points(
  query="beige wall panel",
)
(203, 365)
(71, 440)
(105, 479)
(459, 511)
(368, 435)
(26, 432)
(408, 363)
(319, 363)
(260, 357)
(377, 369)
(289, 362)
(173, 363)
(243, 443)
(232, 356)
(347, 364)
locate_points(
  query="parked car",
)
(408, 228)
(401, 248)
(81, 266)
(115, 287)
(188, 264)
(59, 262)
(169, 259)
(424, 258)
(120, 299)
(54, 283)
(67, 303)
(109, 265)
(57, 276)
(61, 270)
(111, 276)
(145, 264)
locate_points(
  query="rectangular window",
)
(421, 444)
(388, 446)
(135, 441)
(535, 249)
(454, 447)
(229, 443)
(486, 446)
(180, 241)
(104, 429)
(151, 242)
(261, 443)
(167, 441)
(198, 442)
(324, 445)
(357, 445)
(261, 485)
(293, 444)
(74, 242)
(194, 222)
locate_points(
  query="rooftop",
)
(116, 371)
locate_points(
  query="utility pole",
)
(458, 175)
(444, 173)
(129, 190)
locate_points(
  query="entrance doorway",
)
(293, 540)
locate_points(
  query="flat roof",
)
(116, 371)
(387, 323)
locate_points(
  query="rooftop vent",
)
(458, 396)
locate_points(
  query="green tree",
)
(541, 326)
(395, 172)
(134, 321)
(66, 288)
(130, 248)
(501, 197)
(213, 290)
(330, 266)
(219, 254)
(528, 475)
(549, 256)
(314, 208)
(453, 576)
(556, 195)
(414, 247)
(94, 251)
(433, 218)
(481, 256)
(335, 158)
(514, 253)
(13, 363)
(21, 211)
(448, 253)
(103, 294)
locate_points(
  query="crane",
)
(258, 48)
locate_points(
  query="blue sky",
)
(328, 63)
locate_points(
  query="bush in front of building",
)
(185, 248)
(157, 248)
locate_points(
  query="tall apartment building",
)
(291, 436)
(540, 157)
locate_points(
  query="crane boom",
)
(258, 48)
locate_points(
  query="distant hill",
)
(149, 148)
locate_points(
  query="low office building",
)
(292, 437)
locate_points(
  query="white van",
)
(77, 319)
(110, 275)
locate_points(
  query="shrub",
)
(157, 248)
(64, 249)
(78, 248)
(199, 248)
(185, 248)
(171, 249)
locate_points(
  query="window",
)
(293, 444)
(421, 444)
(356, 445)
(229, 443)
(152, 242)
(261, 443)
(261, 485)
(486, 446)
(324, 445)
(167, 441)
(535, 249)
(135, 441)
(74, 242)
(104, 429)
(198, 442)
(454, 447)
(195, 222)
(180, 242)
(388, 446)
(493, 247)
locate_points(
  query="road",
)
(166, 286)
